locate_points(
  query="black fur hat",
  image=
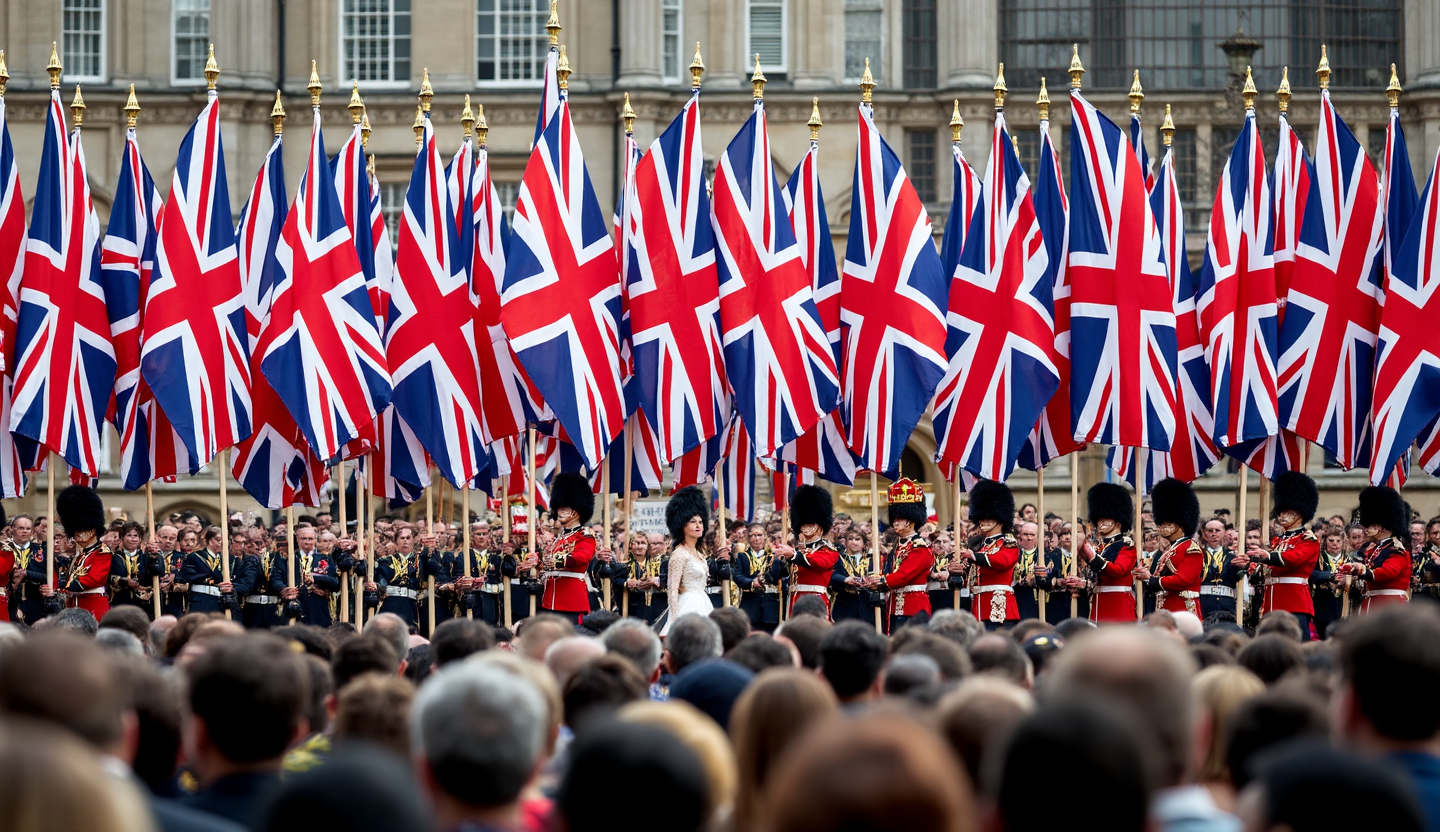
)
(1174, 501)
(1381, 506)
(1296, 492)
(1108, 501)
(812, 504)
(990, 500)
(686, 503)
(572, 491)
(79, 509)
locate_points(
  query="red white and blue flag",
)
(13, 463)
(674, 290)
(966, 191)
(778, 357)
(893, 297)
(195, 350)
(1399, 203)
(1137, 141)
(1291, 189)
(1002, 330)
(735, 473)
(646, 472)
(397, 467)
(357, 198)
(1122, 314)
(560, 298)
(65, 365)
(324, 358)
(1235, 300)
(1326, 365)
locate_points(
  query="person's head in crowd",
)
(677, 791)
(73, 620)
(911, 675)
(459, 638)
(181, 633)
(65, 680)
(635, 641)
(362, 790)
(957, 625)
(1093, 735)
(759, 651)
(1144, 672)
(1280, 623)
(705, 739)
(159, 631)
(392, 628)
(597, 688)
(1072, 629)
(999, 655)
(1188, 625)
(734, 626)
(374, 710)
(1310, 787)
(851, 657)
(541, 678)
(953, 662)
(693, 638)
(358, 656)
(1388, 657)
(535, 634)
(132, 620)
(418, 664)
(806, 633)
(1042, 649)
(322, 689)
(978, 716)
(1281, 714)
(881, 772)
(1210, 655)
(1029, 627)
(777, 707)
(478, 736)
(1271, 657)
(712, 687)
(1219, 693)
(810, 605)
(54, 783)
(119, 641)
(567, 654)
(256, 675)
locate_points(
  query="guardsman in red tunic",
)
(912, 560)
(1385, 560)
(1111, 512)
(994, 553)
(1293, 555)
(812, 512)
(568, 557)
(1178, 569)
(83, 579)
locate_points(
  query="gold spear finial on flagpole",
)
(627, 115)
(1282, 95)
(132, 109)
(1137, 94)
(365, 130)
(4, 73)
(562, 70)
(1042, 101)
(957, 123)
(552, 26)
(467, 118)
(1167, 128)
(419, 126)
(697, 68)
(482, 127)
(212, 69)
(77, 108)
(314, 86)
(1323, 71)
(867, 84)
(1077, 69)
(427, 92)
(757, 80)
(1392, 92)
(356, 106)
(54, 66)
(1000, 88)
(1248, 92)
(277, 115)
(814, 123)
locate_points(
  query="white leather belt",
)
(712, 590)
(205, 589)
(262, 599)
(556, 573)
(1392, 593)
(909, 588)
(95, 591)
(995, 588)
(1222, 591)
(1274, 581)
(401, 592)
(514, 581)
(1113, 589)
(492, 589)
(814, 589)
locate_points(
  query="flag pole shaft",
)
(1240, 544)
(369, 524)
(786, 586)
(605, 521)
(506, 595)
(956, 524)
(50, 521)
(150, 527)
(1041, 597)
(221, 471)
(625, 555)
(1075, 532)
(1139, 532)
(720, 532)
(430, 530)
(465, 540)
(530, 518)
(290, 553)
(875, 537)
(344, 527)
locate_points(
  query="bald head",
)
(566, 655)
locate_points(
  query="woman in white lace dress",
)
(687, 514)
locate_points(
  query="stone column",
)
(640, 46)
(817, 27)
(1422, 44)
(968, 43)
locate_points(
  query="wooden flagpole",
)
(530, 518)
(720, 531)
(875, 537)
(625, 556)
(605, 521)
(150, 524)
(1138, 529)
(430, 530)
(1041, 597)
(290, 553)
(506, 593)
(1240, 544)
(223, 471)
(344, 527)
(956, 537)
(1075, 532)
(465, 540)
(50, 522)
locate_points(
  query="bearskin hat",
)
(572, 491)
(990, 500)
(1108, 501)
(1381, 506)
(812, 504)
(686, 503)
(79, 509)
(1296, 492)
(1174, 501)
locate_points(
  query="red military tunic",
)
(1387, 574)
(1112, 599)
(84, 580)
(1292, 558)
(1177, 576)
(565, 562)
(913, 561)
(994, 591)
(813, 564)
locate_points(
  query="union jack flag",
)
(354, 189)
(195, 348)
(822, 448)
(966, 191)
(1053, 435)
(1326, 365)
(65, 365)
(1291, 177)
(324, 359)
(893, 297)
(736, 470)
(646, 473)
(431, 344)
(149, 446)
(698, 464)
(258, 235)
(1235, 302)
(1193, 451)
(1137, 141)
(778, 356)
(1398, 201)
(631, 154)
(674, 289)
(1002, 329)
(512, 456)
(560, 298)
(384, 258)
(1122, 313)
(13, 463)
(397, 467)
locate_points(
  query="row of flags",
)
(707, 327)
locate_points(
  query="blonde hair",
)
(1219, 691)
(700, 734)
(775, 709)
(53, 783)
(375, 708)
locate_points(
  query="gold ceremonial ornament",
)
(364, 128)
(1137, 94)
(1392, 92)
(1077, 69)
(1042, 101)
(419, 126)
(1000, 88)
(562, 70)
(1167, 127)
(277, 115)
(427, 92)
(53, 68)
(1323, 71)
(5, 73)
(482, 127)
(132, 109)
(757, 80)
(1282, 95)
(552, 26)
(212, 69)
(957, 123)
(1248, 92)
(815, 123)
(314, 86)
(356, 106)
(467, 118)
(627, 115)
(867, 84)
(77, 108)
(697, 68)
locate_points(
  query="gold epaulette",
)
(1010, 540)
(1128, 540)
(1309, 535)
